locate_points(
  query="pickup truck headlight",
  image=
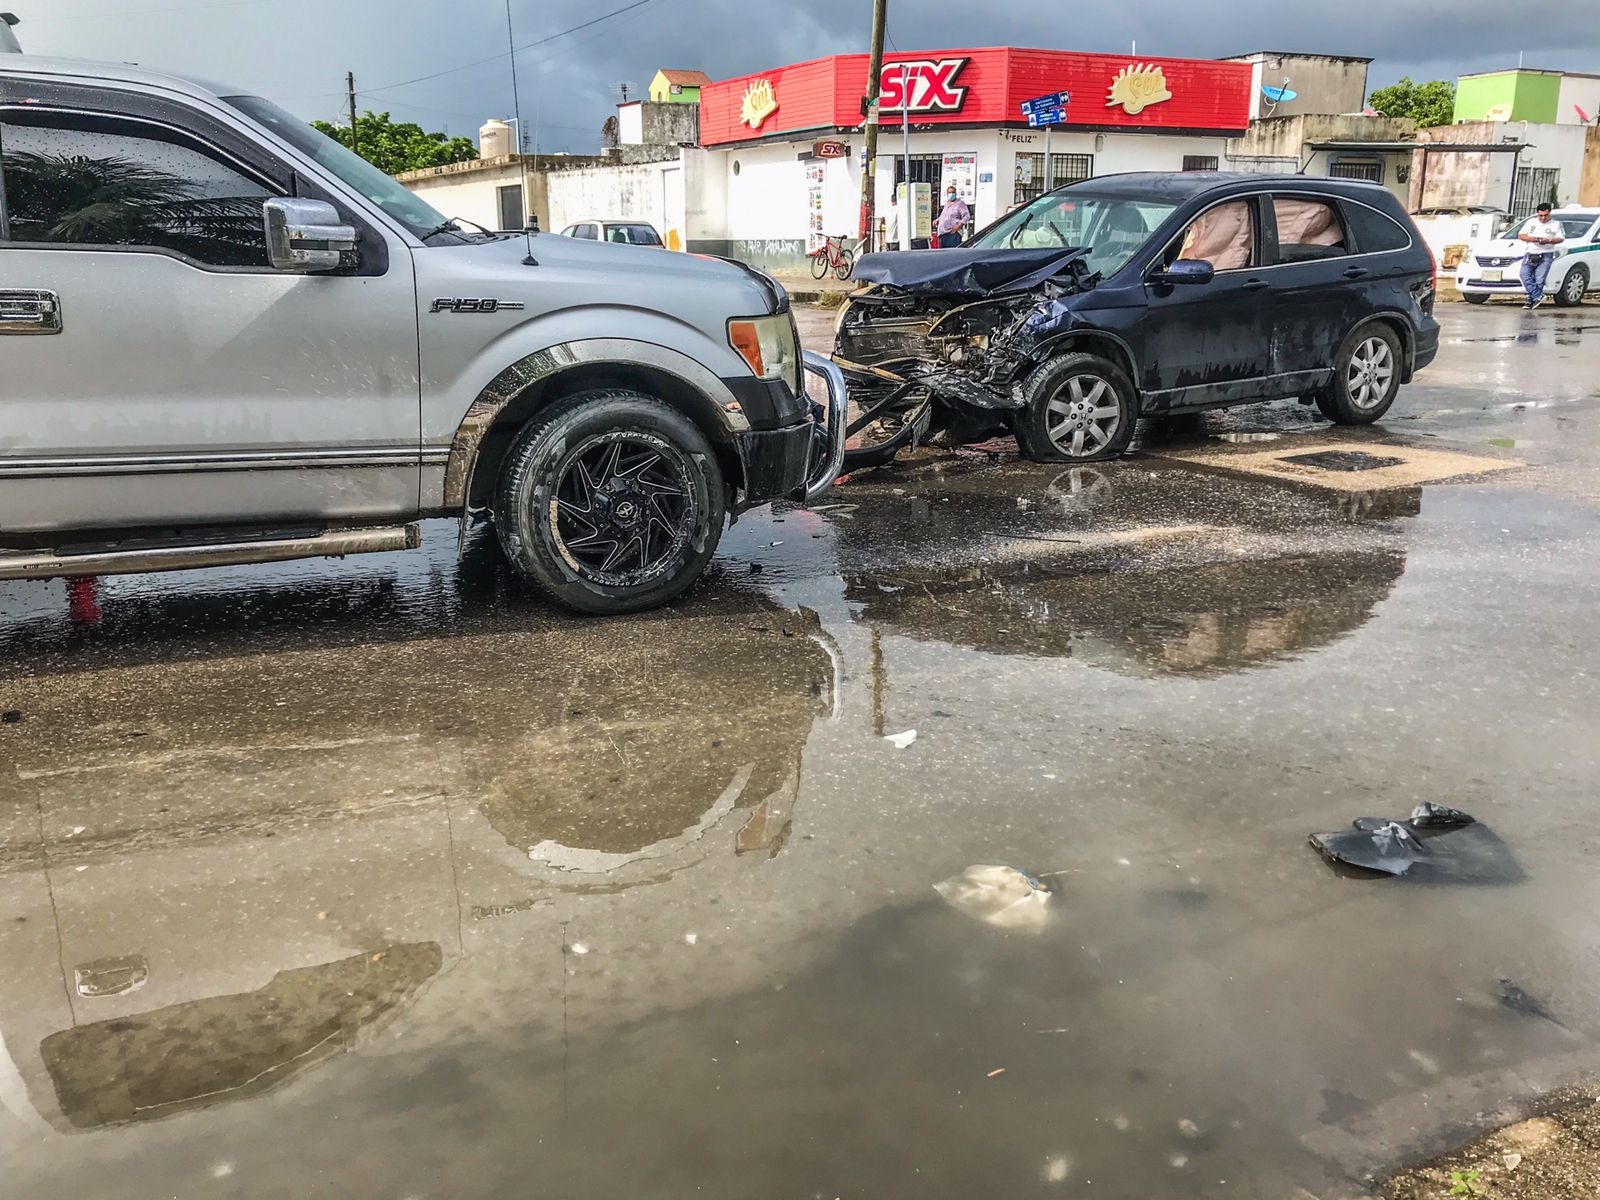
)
(771, 347)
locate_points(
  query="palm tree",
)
(115, 201)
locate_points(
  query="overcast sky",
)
(297, 51)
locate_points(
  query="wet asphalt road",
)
(377, 878)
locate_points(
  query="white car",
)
(1494, 268)
(624, 232)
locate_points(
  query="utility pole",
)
(869, 174)
(350, 87)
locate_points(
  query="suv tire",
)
(1366, 376)
(1573, 287)
(1080, 408)
(610, 502)
(1475, 297)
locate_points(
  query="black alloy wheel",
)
(610, 502)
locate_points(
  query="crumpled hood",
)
(967, 272)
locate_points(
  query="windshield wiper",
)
(453, 225)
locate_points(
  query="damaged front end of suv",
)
(939, 345)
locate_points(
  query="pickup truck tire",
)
(1080, 408)
(610, 502)
(1366, 376)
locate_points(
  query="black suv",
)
(1132, 295)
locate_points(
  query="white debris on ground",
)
(901, 740)
(1001, 896)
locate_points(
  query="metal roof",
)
(1380, 147)
(1472, 147)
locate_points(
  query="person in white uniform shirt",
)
(1542, 235)
(891, 224)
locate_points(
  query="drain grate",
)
(1344, 460)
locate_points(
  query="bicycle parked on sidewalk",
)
(832, 254)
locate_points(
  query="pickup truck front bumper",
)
(799, 462)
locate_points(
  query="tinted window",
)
(587, 231)
(404, 206)
(1575, 227)
(1307, 229)
(89, 181)
(1374, 232)
(633, 235)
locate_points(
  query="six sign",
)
(922, 85)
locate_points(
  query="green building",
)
(1519, 95)
(677, 87)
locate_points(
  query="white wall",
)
(469, 195)
(705, 189)
(628, 192)
(766, 198)
(630, 123)
(1582, 91)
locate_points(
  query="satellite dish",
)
(1277, 95)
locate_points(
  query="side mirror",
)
(1186, 270)
(306, 235)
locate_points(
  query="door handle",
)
(1255, 285)
(26, 310)
(1356, 273)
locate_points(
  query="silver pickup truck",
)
(226, 339)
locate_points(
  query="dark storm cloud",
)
(298, 50)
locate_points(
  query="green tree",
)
(395, 147)
(1431, 103)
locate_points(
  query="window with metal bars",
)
(1368, 169)
(1067, 168)
(1199, 162)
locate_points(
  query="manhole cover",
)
(1344, 460)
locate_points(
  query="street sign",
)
(1055, 102)
(1046, 116)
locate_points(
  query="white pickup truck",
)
(224, 338)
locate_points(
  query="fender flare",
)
(721, 406)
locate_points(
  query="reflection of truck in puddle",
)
(234, 869)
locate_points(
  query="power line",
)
(516, 50)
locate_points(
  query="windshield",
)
(410, 210)
(1112, 228)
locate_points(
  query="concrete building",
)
(649, 123)
(1534, 97)
(677, 87)
(1375, 149)
(1321, 83)
(1512, 165)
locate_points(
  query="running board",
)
(335, 543)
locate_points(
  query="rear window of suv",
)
(1374, 232)
(1307, 229)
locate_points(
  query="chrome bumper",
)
(837, 416)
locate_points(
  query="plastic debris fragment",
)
(901, 740)
(1002, 896)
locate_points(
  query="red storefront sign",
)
(983, 87)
